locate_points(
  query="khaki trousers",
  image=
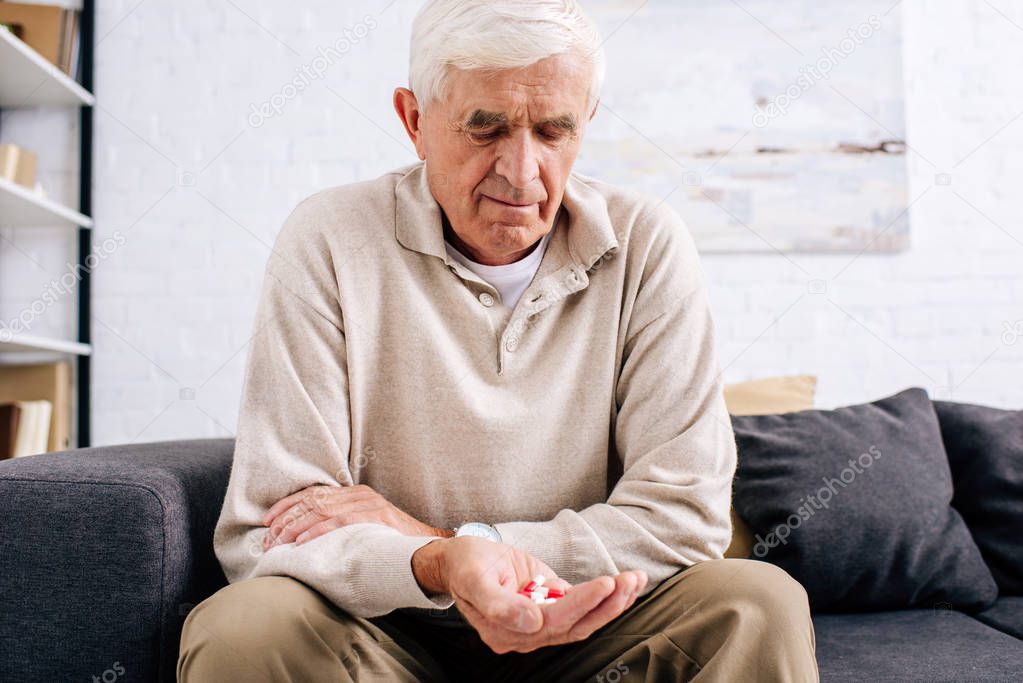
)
(719, 620)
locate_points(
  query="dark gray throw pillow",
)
(855, 504)
(985, 452)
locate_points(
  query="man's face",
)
(499, 149)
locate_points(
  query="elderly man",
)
(474, 370)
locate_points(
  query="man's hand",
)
(315, 510)
(484, 578)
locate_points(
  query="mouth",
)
(509, 204)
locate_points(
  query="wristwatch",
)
(480, 530)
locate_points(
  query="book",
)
(9, 415)
(50, 30)
(49, 381)
(11, 28)
(33, 427)
(18, 165)
(68, 40)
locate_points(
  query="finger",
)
(577, 603)
(504, 607)
(627, 586)
(491, 583)
(309, 520)
(560, 584)
(551, 579)
(295, 527)
(307, 501)
(496, 637)
(281, 521)
(312, 494)
(316, 503)
(318, 529)
(369, 508)
(282, 505)
(513, 612)
(642, 578)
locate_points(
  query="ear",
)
(407, 107)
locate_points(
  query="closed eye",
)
(486, 136)
(490, 135)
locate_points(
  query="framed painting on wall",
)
(768, 126)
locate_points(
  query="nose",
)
(518, 161)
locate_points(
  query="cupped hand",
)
(484, 578)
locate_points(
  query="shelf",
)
(20, 207)
(28, 80)
(24, 342)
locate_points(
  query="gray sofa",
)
(103, 552)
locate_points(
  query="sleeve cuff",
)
(392, 583)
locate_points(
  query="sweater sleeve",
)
(294, 432)
(672, 434)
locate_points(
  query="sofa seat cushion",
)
(914, 645)
(1005, 615)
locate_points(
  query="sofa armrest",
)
(103, 551)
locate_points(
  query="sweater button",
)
(512, 343)
(487, 299)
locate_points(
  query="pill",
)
(540, 594)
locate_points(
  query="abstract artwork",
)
(768, 126)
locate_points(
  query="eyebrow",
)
(481, 119)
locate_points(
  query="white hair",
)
(498, 34)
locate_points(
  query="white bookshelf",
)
(39, 90)
(28, 80)
(20, 207)
(25, 342)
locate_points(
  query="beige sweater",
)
(588, 424)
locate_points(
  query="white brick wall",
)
(199, 193)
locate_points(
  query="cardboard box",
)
(40, 26)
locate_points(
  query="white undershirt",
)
(510, 280)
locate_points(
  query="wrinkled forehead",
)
(554, 91)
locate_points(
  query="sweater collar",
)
(418, 226)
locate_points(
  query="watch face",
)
(478, 529)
